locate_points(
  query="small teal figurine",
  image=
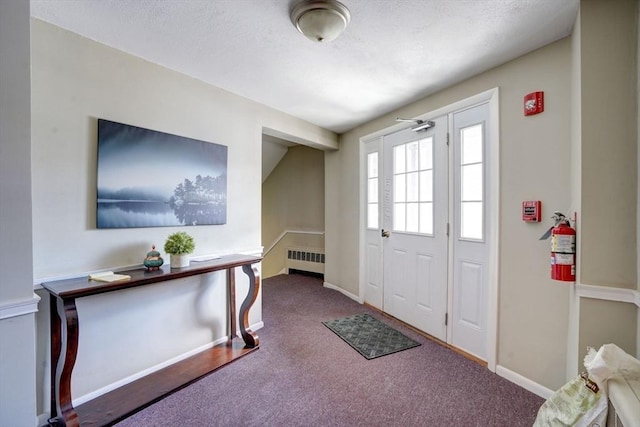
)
(153, 260)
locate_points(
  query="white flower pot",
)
(179, 260)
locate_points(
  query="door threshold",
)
(461, 352)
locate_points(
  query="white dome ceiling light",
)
(320, 20)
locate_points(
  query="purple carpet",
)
(305, 375)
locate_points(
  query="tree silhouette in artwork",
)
(203, 201)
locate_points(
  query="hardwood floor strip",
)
(126, 400)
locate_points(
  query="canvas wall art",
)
(148, 178)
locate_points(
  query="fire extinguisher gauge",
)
(559, 218)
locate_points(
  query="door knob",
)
(385, 233)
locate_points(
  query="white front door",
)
(414, 219)
(428, 193)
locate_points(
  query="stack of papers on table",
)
(108, 276)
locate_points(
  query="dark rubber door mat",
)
(369, 336)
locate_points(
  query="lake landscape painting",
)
(148, 178)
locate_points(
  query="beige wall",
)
(609, 143)
(535, 154)
(603, 322)
(293, 199)
(74, 82)
(608, 125)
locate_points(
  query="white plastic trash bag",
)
(582, 402)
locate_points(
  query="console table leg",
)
(250, 338)
(65, 327)
(231, 292)
(56, 347)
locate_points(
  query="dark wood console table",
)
(124, 401)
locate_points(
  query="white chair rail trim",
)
(18, 308)
(608, 293)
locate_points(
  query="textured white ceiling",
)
(392, 53)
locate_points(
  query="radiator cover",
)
(305, 259)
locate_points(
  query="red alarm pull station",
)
(533, 103)
(531, 210)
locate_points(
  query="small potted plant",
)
(179, 245)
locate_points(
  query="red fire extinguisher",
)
(563, 250)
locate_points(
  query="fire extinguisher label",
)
(564, 259)
(563, 243)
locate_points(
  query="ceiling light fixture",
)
(320, 20)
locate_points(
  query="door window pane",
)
(426, 153)
(372, 215)
(413, 217)
(372, 191)
(472, 182)
(400, 188)
(426, 186)
(399, 221)
(426, 218)
(372, 165)
(399, 159)
(471, 220)
(412, 156)
(472, 145)
(413, 191)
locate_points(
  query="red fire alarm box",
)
(533, 103)
(531, 210)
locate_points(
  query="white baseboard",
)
(255, 327)
(524, 382)
(42, 419)
(343, 292)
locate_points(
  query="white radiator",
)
(624, 402)
(305, 259)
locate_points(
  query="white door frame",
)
(492, 96)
